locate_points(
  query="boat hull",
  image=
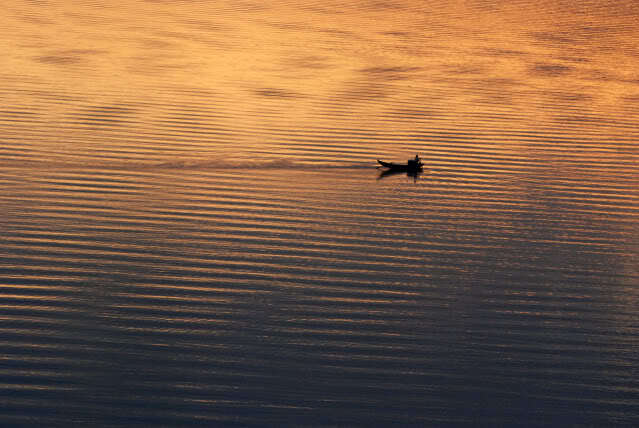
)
(414, 167)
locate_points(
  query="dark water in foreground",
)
(193, 230)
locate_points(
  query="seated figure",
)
(414, 163)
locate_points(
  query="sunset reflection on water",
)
(194, 228)
(192, 80)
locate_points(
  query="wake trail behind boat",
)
(187, 164)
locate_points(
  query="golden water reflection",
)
(149, 81)
(193, 229)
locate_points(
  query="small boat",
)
(410, 166)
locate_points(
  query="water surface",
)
(194, 230)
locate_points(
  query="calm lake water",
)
(194, 231)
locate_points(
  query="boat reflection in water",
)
(389, 172)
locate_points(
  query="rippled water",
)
(194, 230)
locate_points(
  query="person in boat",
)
(414, 163)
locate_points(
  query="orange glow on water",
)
(253, 71)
